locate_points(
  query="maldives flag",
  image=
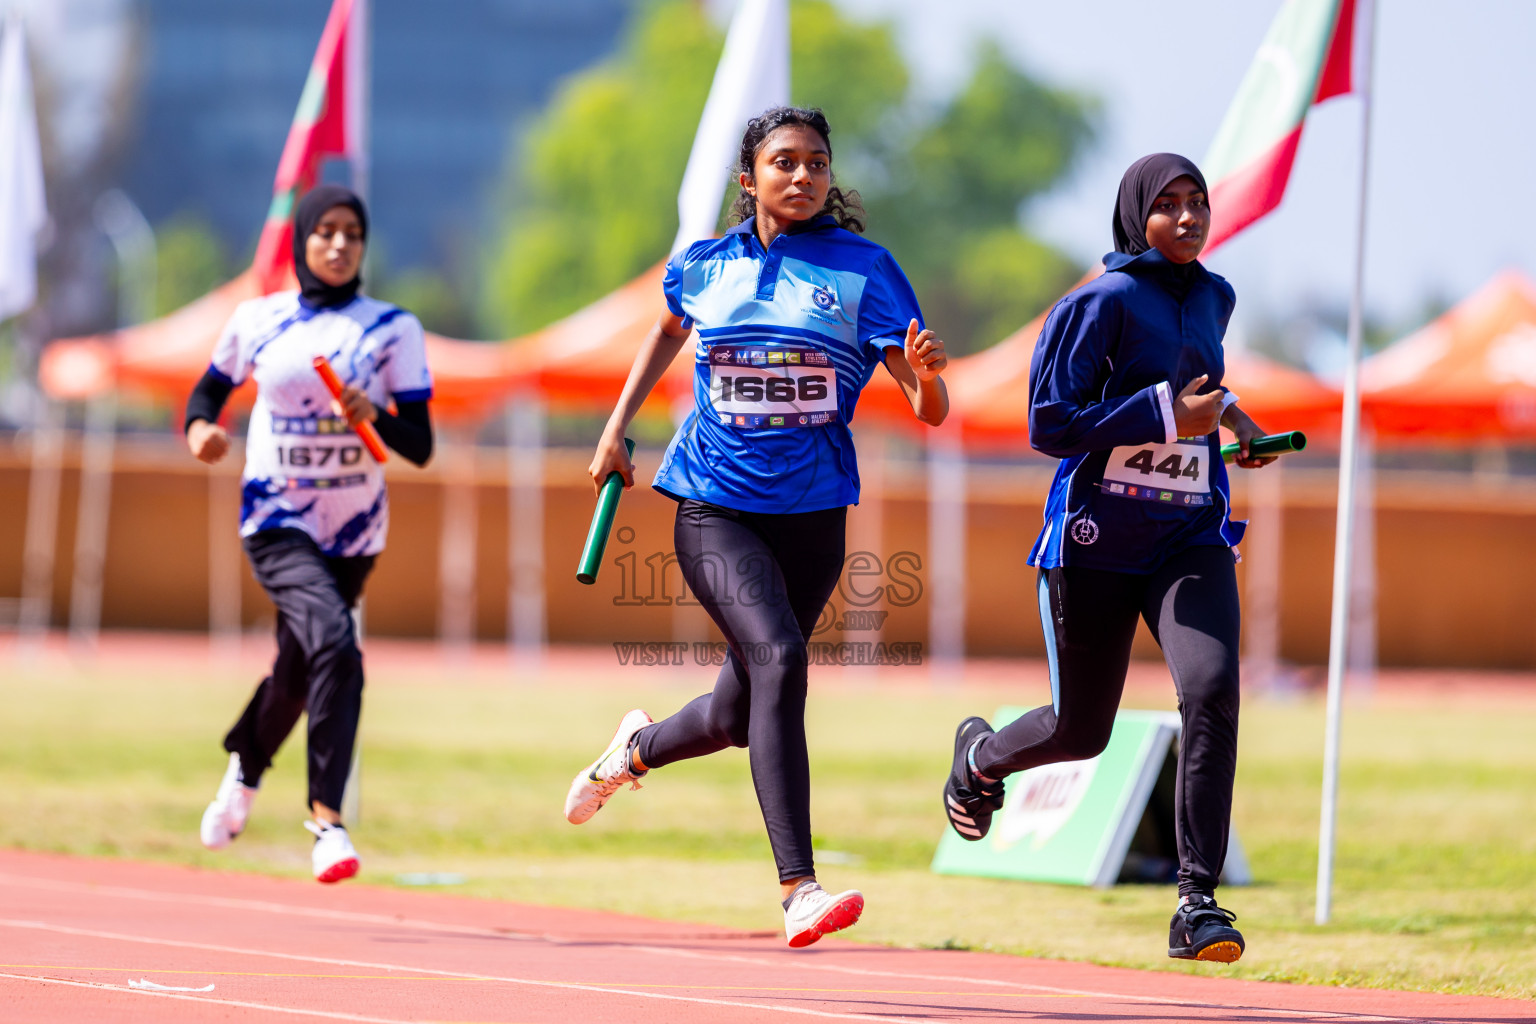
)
(1306, 58)
(331, 122)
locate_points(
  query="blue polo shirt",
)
(1112, 355)
(788, 337)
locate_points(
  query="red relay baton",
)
(370, 436)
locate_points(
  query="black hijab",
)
(1144, 180)
(315, 292)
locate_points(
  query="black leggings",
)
(764, 579)
(318, 667)
(1190, 604)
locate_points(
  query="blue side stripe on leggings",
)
(1048, 624)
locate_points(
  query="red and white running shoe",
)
(335, 859)
(811, 912)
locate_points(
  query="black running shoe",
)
(1200, 930)
(968, 802)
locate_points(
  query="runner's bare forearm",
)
(656, 353)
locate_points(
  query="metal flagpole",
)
(946, 555)
(358, 98)
(526, 630)
(133, 242)
(1338, 638)
(41, 537)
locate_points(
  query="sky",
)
(1453, 128)
(1453, 158)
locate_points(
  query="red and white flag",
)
(332, 121)
(1308, 56)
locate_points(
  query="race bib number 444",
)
(757, 387)
(1170, 474)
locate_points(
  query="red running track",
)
(74, 932)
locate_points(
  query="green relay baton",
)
(602, 523)
(1269, 444)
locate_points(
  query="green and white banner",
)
(1076, 822)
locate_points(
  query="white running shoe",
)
(591, 789)
(335, 858)
(812, 912)
(226, 816)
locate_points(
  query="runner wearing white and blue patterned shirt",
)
(314, 511)
(305, 467)
(793, 312)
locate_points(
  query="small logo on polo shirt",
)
(1085, 531)
(823, 298)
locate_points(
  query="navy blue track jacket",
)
(1111, 357)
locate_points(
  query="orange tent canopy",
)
(165, 358)
(1468, 375)
(585, 358)
(580, 360)
(989, 391)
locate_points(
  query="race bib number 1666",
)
(761, 387)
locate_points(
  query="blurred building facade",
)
(452, 83)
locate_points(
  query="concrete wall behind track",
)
(1456, 557)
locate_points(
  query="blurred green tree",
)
(431, 296)
(592, 199)
(956, 209)
(190, 261)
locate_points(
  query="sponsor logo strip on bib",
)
(325, 483)
(1169, 474)
(312, 426)
(755, 387)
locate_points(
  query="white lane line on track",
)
(269, 1007)
(231, 903)
(1171, 1002)
(371, 965)
(802, 961)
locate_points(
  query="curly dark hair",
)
(846, 207)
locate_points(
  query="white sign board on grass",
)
(1089, 822)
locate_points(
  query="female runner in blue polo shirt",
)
(1125, 390)
(794, 311)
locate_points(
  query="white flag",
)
(753, 75)
(359, 95)
(23, 213)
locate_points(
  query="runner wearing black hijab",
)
(1125, 391)
(314, 511)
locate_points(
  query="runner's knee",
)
(1081, 737)
(727, 722)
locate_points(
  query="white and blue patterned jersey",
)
(305, 467)
(788, 337)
